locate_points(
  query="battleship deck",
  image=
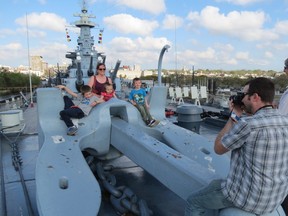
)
(159, 199)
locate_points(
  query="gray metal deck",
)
(160, 200)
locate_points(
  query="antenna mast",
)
(175, 54)
(29, 70)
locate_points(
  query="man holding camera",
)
(257, 179)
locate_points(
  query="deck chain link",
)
(122, 198)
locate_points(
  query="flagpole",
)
(30, 81)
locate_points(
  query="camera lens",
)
(237, 99)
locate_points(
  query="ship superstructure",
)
(85, 57)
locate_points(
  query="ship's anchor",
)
(123, 199)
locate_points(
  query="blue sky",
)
(210, 34)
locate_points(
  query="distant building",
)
(38, 65)
(126, 72)
(149, 73)
(8, 68)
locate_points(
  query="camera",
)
(237, 99)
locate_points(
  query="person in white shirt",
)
(283, 103)
(283, 109)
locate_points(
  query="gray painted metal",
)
(180, 159)
(65, 184)
(94, 133)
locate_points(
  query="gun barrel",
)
(116, 68)
(90, 70)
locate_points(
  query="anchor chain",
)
(17, 163)
(16, 158)
(122, 198)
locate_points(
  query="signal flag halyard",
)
(100, 36)
(67, 35)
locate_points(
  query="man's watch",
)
(234, 117)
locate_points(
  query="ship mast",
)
(85, 41)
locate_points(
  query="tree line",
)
(180, 79)
(11, 80)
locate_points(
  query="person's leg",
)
(67, 102)
(147, 112)
(141, 109)
(69, 113)
(210, 197)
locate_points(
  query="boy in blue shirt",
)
(137, 97)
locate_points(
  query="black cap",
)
(286, 63)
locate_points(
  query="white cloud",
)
(12, 50)
(281, 27)
(273, 47)
(52, 52)
(138, 44)
(171, 22)
(151, 6)
(6, 33)
(242, 55)
(47, 21)
(142, 50)
(244, 25)
(224, 47)
(219, 55)
(32, 33)
(43, 2)
(268, 54)
(127, 24)
(12, 46)
(191, 56)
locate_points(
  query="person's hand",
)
(93, 104)
(238, 110)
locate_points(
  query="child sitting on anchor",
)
(108, 93)
(86, 102)
(137, 97)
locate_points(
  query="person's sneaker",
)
(151, 122)
(154, 123)
(72, 130)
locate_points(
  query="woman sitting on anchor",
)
(97, 82)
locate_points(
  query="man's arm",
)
(218, 146)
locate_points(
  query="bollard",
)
(189, 117)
